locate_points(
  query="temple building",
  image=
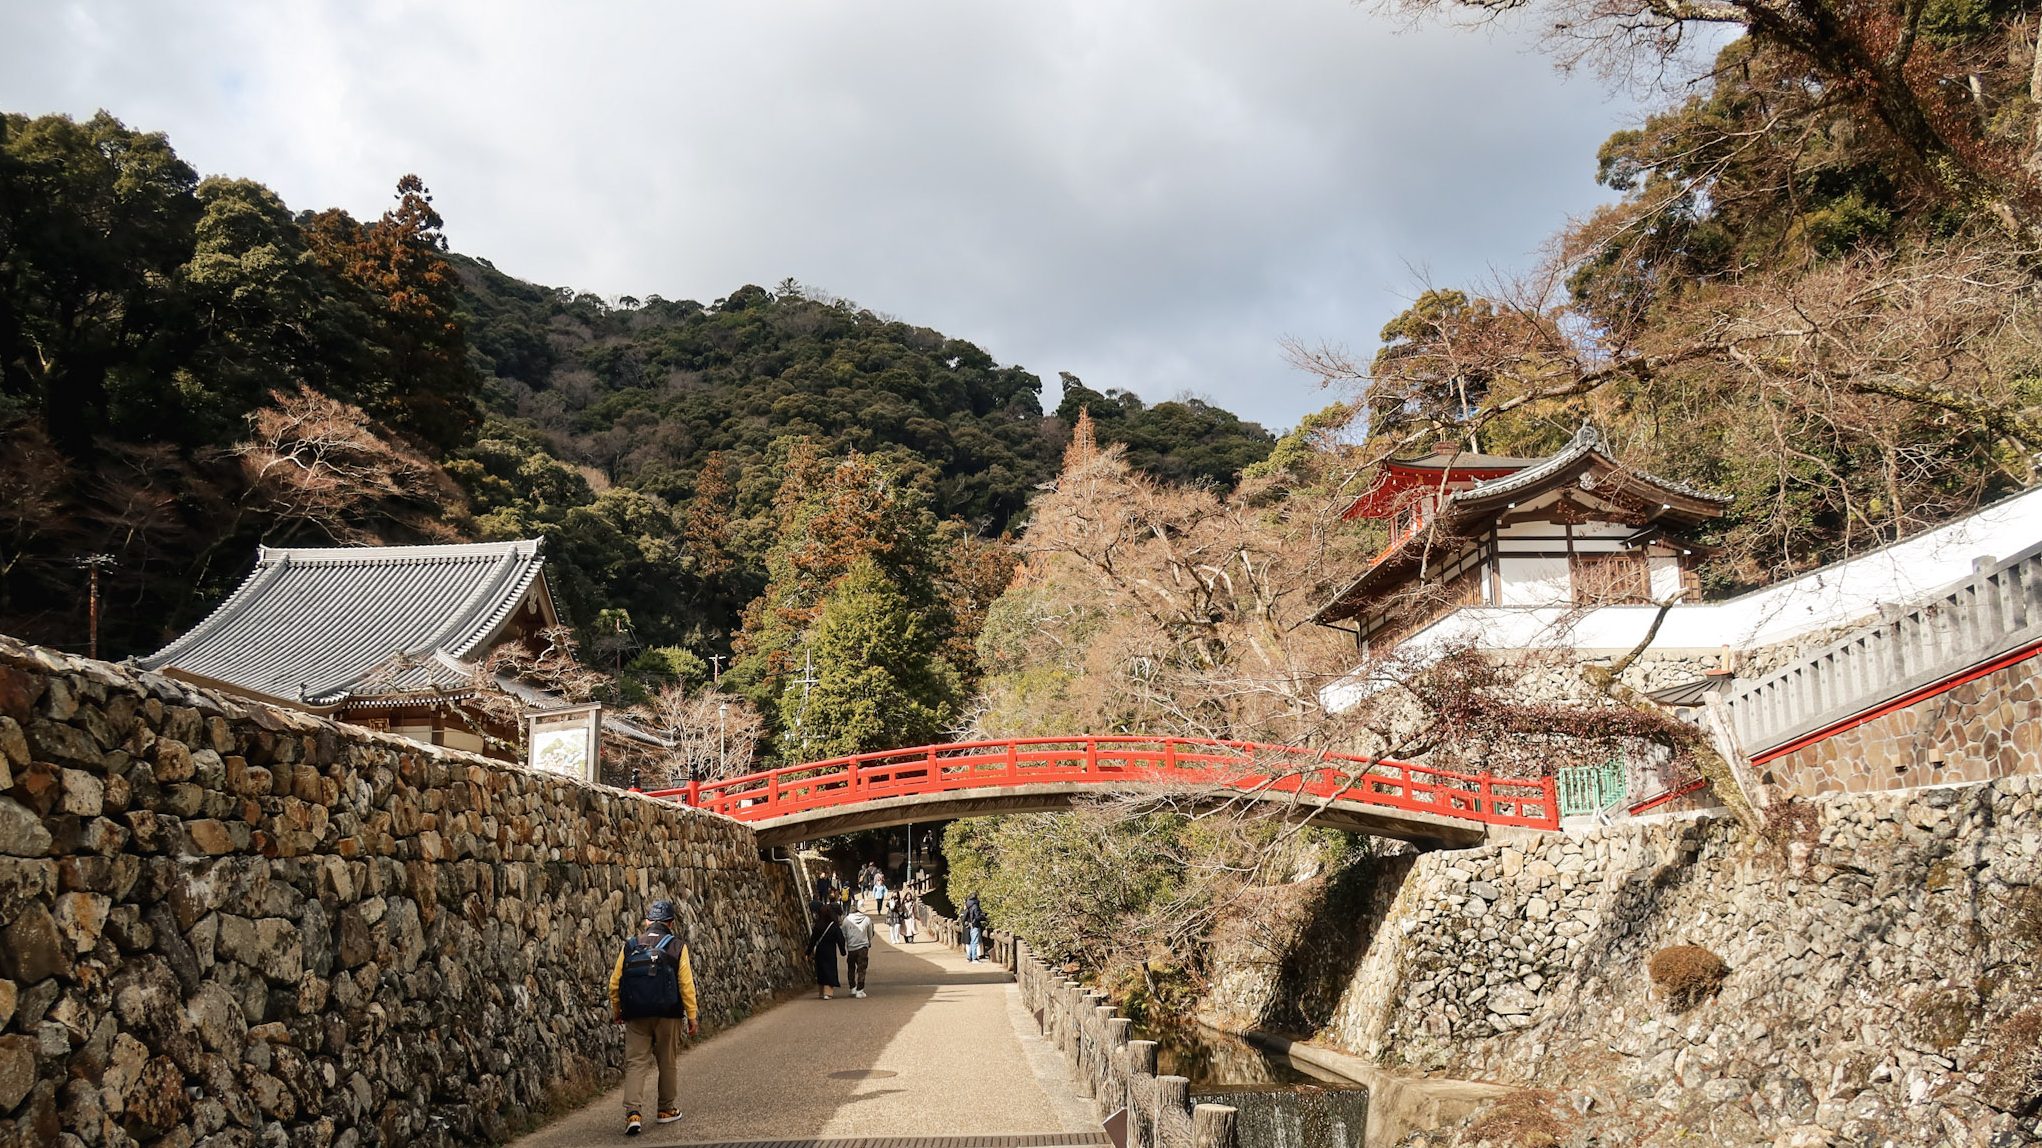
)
(1575, 559)
(388, 637)
(1576, 529)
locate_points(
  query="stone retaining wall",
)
(1881, 950)
(226, 924)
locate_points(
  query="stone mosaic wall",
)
(1882, 951)
(1984, 729)
(233, 925)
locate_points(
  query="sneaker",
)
(632, 1124)
(857, 992)
(669, 1115)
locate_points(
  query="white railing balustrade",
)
(1997, 610)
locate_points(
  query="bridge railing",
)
(1307, 775)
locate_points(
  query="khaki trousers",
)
(651, 1045)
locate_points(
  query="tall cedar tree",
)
(423, 383)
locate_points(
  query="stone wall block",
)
(64, 744)
(60, 700)
(82, 793)
(172, 760)
(20, 689)
(17, 1070)
(31, 948)
(13, 749)
(22, 832)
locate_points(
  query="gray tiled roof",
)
(1585, 442)
(318, 625)
(1689, 693)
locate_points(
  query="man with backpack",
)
(652, 993)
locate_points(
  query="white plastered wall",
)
(1535, 581)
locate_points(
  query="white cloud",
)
(1149, 193)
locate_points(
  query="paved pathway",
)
(940, 1048)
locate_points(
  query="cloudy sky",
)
(1150, 194)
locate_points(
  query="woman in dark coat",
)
(825, 941)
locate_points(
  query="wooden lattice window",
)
(1610, 579)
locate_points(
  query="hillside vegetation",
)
(189, 368)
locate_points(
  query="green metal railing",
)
(1588, 788)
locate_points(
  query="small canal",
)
(1283, 1103)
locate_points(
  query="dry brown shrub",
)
(2013, 1063)
(1686, 975)
(712, 735)
(1520, 1120)
(315, 462)
(1785, 824)
(1942, 1018)
(2023, 909)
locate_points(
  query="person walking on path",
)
(909, 926)
(858, 930)
(974, 921)
(893, 916)
(652, 994)
(825, 941)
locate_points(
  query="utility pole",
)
(807, 682)
(715, 669)
(94, 563)
(722, 760)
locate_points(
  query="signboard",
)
(565, 741)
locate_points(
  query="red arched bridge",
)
(1024, 775)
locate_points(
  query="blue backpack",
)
(650, 986)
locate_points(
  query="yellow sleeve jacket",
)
(684, 970)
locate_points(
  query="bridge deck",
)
(1426, 829)
(874, 790)
(938, 1054)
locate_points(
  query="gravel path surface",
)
(937, 1049)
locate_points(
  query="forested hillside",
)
(188, 368)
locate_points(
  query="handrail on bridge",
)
(1245, 767)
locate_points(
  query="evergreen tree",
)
(835, 516)
(880, 678)
(95, 220)
(259, 303)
